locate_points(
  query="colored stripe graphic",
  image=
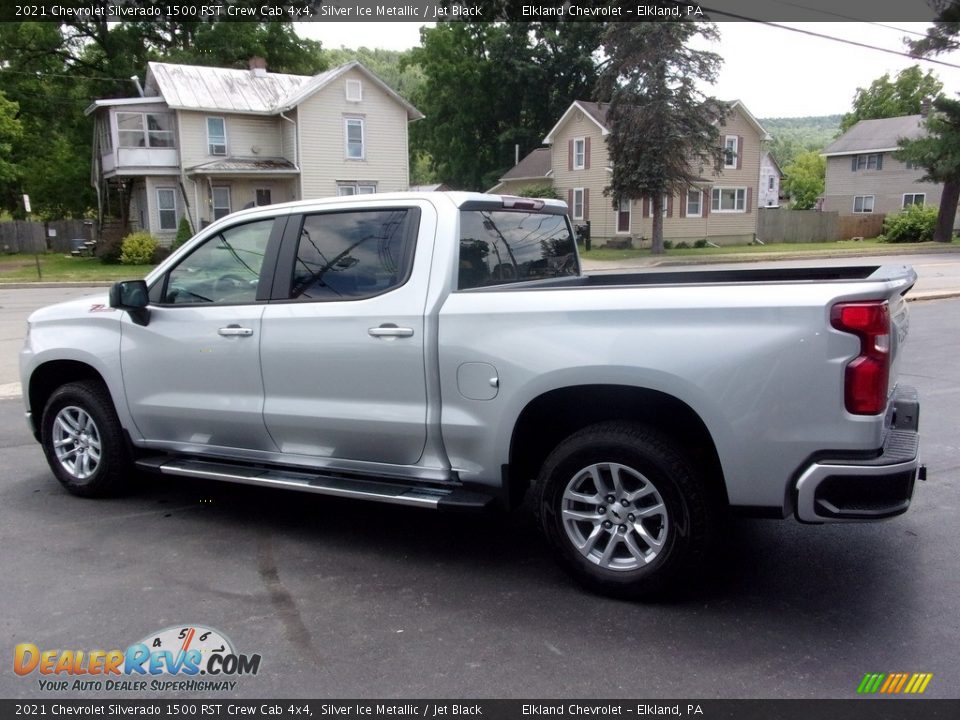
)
(894, 683)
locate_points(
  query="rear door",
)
(343, 339)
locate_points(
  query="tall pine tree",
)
(939, 154)
(663, 131)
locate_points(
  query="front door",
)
(192, 374)
(343, 344)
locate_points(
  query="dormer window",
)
(354, 91)
(216, 136)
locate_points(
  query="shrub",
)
(682, 245)
(668, 244)
(184, 233)
(109, 248)
(701, 243)
(544, 190)
(915, 224)
(138, 249)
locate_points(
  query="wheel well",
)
(557, 414)
(51, 375)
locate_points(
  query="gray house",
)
(205, 141)
(864, 178)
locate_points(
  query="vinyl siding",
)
(887, 185)
(242, 192)
(151, 183)
(718, 227)
(247, 136)
(323, 159)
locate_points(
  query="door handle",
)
(389, 330)
(235, 331)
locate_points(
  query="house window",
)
(624, 215)
(138, 130)
(167, 208)
(263, 196)
(770, 182)
(221, 202)
(354, 91)
(728, 200)
(694, 200)
(863, 204)
(730, 150)
(349, 188)
(578, 203)
(579, 153)
(353, 130)
(871, 161)
(914, 199)
(216, 136)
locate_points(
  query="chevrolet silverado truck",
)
(444, 351)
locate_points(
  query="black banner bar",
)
(478, 10)
(226, 709)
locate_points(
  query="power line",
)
(847, 17)
(811, 33)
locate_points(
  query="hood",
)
(81, 307)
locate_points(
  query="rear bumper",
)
(850, 490)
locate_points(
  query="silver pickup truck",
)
(443, 350)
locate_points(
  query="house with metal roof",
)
(721, 207)
(201, 142)
(864, 178)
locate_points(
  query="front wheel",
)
(627, 514)
(83, 441)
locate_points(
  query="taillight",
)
(868, 374)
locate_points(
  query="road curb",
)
(25, 285)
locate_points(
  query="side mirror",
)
(132, 296)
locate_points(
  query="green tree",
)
(938, 153)
(887, 98)
(942, 36)
(490, 86)
(663, 131)
(804, 179)
(10, 133)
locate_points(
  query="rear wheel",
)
(627, 513)
(83, 441)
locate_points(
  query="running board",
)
(376, 490)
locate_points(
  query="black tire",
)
(678, 513)
(108, 473)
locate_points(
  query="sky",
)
(774, 72)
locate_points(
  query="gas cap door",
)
(478, 381)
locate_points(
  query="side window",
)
(225, 269)
(352, 255)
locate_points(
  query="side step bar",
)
(339, 486)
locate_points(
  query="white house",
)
(205, 141)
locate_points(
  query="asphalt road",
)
(344, 599)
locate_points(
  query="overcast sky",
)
(775, 72)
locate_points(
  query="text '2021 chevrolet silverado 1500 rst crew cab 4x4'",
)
(443, 350)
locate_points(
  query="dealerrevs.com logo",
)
(177, 658)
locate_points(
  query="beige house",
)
(863, 177)
(205, 141)
(722, 208)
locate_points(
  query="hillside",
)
(796, 134)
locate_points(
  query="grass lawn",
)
(860, 247)
(57, 267)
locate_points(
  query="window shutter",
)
(749, 198)
(586, 153)
(669, 205)
(646, 206)
(570, 204)
(570, 155)
(853, 163)
(683, 203)
(739, 152)
(880, 161)
(586, 204)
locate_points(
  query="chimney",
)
(258, 66)
(926, 105)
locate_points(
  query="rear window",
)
(498, 247)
